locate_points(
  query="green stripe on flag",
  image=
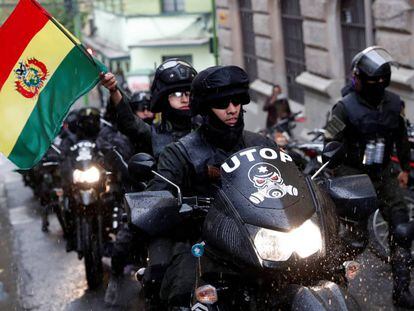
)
(74, 77)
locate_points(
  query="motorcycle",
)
(45, 180)
(307, 155)
(270, 237)
(89, 210)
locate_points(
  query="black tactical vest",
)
(368, 123)
(160, 138)
(201, 154)
(373, 123)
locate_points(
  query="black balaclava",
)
(220, 134)
(180, 120)
(373, 93)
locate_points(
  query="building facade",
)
(135, 36)
(306, 46)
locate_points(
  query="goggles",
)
(172, 63)
(223, 103)
(180, 94)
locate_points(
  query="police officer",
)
(192, 163)
(141, 105)
(368, 121)
(170, 92)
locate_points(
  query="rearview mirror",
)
(140, 166)
(333, 153)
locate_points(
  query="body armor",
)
(370, 124)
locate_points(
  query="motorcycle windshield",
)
(267, 189)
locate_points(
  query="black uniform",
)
(171, 76)
(192, 163)
(150, 138)
(364, 123)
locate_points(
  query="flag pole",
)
(66, 33)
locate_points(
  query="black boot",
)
(400, 261)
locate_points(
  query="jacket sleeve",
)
(173, 166)
(337, 123)
(133, 127)
(403, 145)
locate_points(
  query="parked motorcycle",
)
(270, 238)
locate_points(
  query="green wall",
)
(143, 59)
(198, 6)
(149, 7)
(145, 7)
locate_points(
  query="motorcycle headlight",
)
(91, 175)
(279, 246)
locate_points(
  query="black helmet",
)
(172, 75)
(140, 101)
(89, 121)
(373, 62)
(218, 83)
(72, 121)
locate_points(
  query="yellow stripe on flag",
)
(15, 109)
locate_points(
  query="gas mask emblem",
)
(269, 183)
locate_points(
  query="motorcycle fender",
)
(325, 296)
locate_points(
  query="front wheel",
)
(92, 254)
(378, 230)
(324, 296)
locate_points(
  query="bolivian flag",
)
(43, 71)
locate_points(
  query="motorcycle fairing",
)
(354, 196)
(266, 189)
(153, 212)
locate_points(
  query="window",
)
(169, 6)
(353, 30)
(293, 47)
(186, 58)
(249, 49)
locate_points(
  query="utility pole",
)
(215, 41)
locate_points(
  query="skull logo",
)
(268, 181)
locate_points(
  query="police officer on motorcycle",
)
(217, 94)
(170, 92)
(368, 121)
(141, 105)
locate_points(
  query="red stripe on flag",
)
(17, 31)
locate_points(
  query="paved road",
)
(37, 274)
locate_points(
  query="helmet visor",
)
(172, 63)
(373, 58)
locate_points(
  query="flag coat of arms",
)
(43, 71)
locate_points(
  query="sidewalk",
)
(8, 268)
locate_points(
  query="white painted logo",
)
(269, 183)
(265, 153)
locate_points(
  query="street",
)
(36, 273)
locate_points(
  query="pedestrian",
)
(277, 107)
(369, 123)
